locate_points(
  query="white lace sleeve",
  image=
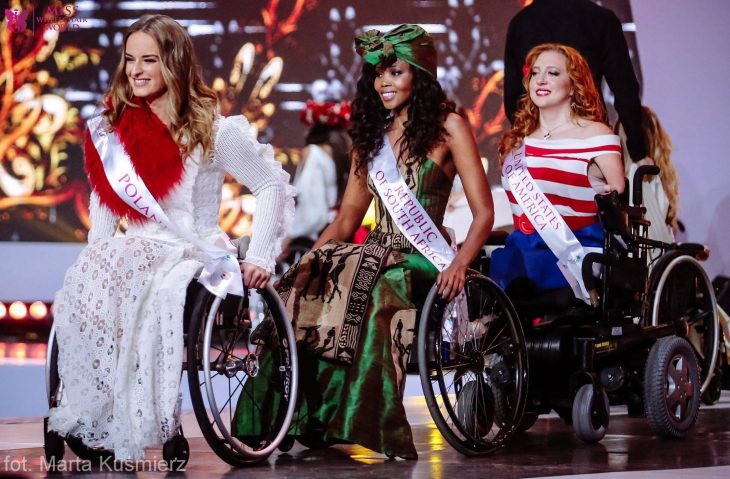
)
(253, 165)
(103, 222)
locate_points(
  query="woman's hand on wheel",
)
(254, 276)
(451, 281)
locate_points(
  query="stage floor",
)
(548, 449)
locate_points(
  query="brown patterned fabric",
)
(336, 281)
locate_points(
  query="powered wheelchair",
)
(490, 362)
(221, 359)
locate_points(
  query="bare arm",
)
(355, 202)
(610, 166)
(612, 170)
(469, 166)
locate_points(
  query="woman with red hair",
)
(556, 157)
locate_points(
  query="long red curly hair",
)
(585, 102)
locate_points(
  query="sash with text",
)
(221, 272)
(546, 220)
(405, 209)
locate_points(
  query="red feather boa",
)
(154, 154)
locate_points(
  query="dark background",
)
(300, 49)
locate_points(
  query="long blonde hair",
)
(191, 106)
(585, 102)
(659, 149)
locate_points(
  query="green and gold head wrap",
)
(409, 43)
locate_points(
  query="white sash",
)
(547, 221)
(408, 214)
(221, 271)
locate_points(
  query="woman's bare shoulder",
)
(590, 128)
(455, 124)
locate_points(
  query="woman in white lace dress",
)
(119, 314)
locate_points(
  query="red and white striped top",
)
(560, 170)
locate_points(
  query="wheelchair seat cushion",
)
(533, 303)
(528, 256)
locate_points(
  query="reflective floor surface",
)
(548, 449)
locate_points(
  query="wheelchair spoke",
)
(202, 384)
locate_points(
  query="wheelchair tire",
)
(459, 345)
(224, 347)
(475, 418)
(590, 413)
(53, 445)
(681, 292)
(711, 395)
(671, 387)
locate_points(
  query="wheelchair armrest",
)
(497, 238)
(612, 216)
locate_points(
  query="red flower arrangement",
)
(326, 113)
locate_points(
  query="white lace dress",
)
(119, 313)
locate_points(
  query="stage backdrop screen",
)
(264, 58)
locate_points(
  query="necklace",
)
(549, 131)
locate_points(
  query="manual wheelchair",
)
(221, 360)
(491, 362)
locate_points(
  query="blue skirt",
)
(528, 256)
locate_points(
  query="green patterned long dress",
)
(353, 309)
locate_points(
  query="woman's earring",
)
(573, 106)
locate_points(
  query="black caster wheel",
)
(176, 453)
(286, 444)
(591, 411)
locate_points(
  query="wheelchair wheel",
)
(712, 394)
(590, 413)
(671, 387)
(472, 360)
(227, 343)
(681, 293)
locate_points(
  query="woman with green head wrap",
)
(354, 306)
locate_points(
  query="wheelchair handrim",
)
(230, 440)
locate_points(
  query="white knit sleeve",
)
(103, 222)
(253, 165)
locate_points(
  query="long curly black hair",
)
(423, 131)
